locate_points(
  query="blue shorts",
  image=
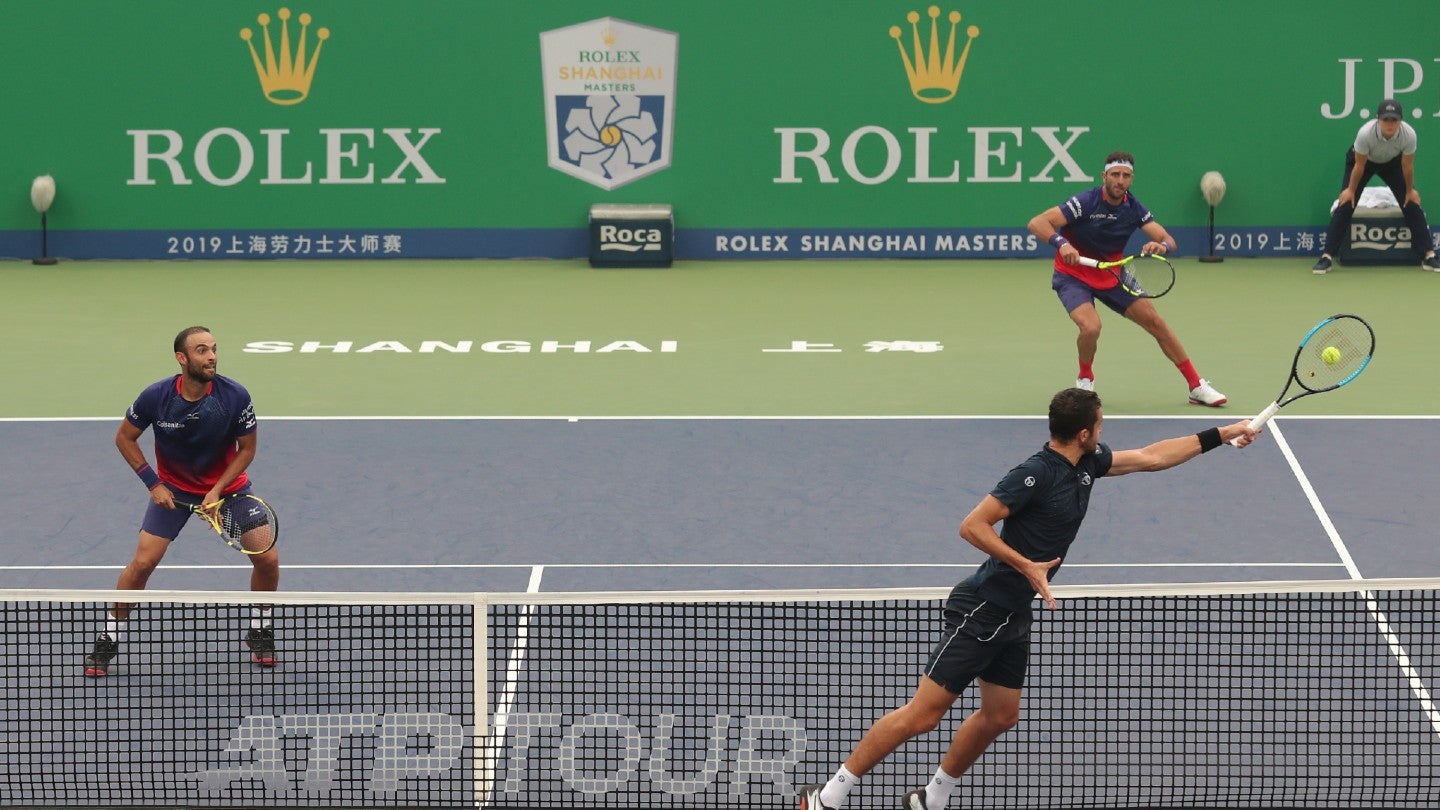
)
(1073, 292)
(167, 523)
(980, 640)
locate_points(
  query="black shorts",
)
(980, 640)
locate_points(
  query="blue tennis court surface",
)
(1231, 700)
(618, 504)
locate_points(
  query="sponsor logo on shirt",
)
(189, 417)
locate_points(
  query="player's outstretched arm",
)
(1163, 455)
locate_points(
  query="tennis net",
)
(1295, 694)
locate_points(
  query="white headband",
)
(1112, 164)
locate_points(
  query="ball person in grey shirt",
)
(1384, 146)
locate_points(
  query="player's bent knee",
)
(1000, 722)
(149, 552)
(1008, 720)
(143, 566)
(921, 724)
(269, 561)
(915, 719)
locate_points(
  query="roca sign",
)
(632, 236)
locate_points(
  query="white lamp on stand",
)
(1212, 185)
(42, 193)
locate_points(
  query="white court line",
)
(507, 694)
(585, 566)
(736, 418)
(1417, 686)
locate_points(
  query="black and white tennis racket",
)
(1148, 275)
(244, 522)
(1331, 355)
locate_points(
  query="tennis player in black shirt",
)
(1042, 503)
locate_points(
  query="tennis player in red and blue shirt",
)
(1098, 224)
(205, 438)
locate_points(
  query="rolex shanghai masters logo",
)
(609, 100)
(934, 72)
(285, 74)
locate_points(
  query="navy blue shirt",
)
(1101, 231)
(195, 441)
(1047, 498)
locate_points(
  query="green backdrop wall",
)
(1268, 94)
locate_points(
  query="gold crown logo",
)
(607, 35)
(288, 80)
(934, 79)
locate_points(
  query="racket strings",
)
(1350, 338)
(249, 522)
(1148, 275)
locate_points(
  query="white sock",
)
(937, 792)
(835, 792)
(259, 618)
(114, 628)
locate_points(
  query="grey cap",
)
(1390, 108)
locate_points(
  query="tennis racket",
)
(1148, 275)
(1330, 355)
(246, 523)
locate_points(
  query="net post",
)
(481, 763)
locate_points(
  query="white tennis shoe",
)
(1085, 383)
(810, 798)
(1205, 394)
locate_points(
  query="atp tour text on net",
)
(596, 754)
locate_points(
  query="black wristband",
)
(1209, 439)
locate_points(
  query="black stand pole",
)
(1210, 257)
(45, 257)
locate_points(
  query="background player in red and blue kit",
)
(205, 437)
(1098, 224)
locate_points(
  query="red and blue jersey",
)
(1100, 231)
(195, 441)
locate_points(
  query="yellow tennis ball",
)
(1330, 355)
